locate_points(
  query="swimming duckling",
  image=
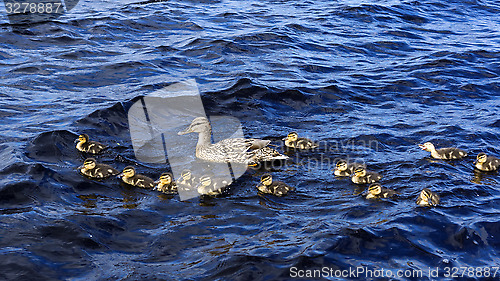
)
(361, 176)
(428, 198)
(186, 179)
(377, 191)
(343, 169)
(487, 163)
(293, 141)
(165, 184)
(449, 153)
(209, 187)
(92, 169)
(92, 147)
(277, 188)
(130, 177)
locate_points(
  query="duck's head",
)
(375, 189)
(360, 171)
(89, 163)
(341, 165)
(293, 136)
(186, 174)
(266, 179)
(481, 157)
(166, 178)
(83, 138)
(205, 180)
(427, 146)
(128, 172)
(199, 125)
(426, 197)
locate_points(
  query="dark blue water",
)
(369, 80)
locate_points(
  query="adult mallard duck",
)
(236, 150)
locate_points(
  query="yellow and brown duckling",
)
(344, 169)
(166, 184)
(88, 146)
(278, 188)
(187, 179)
(292, 140)
(208, 186)
(427, 198)
(486, 163)
(130, 177)
(362, 176)
(450, 153)
(94, 170)
(377, 191)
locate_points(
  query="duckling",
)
(293, 141)
(209, 187)
(343, 169)
(186, 179)
(487, 163)
(277, 188)
(129, 176)
(165, 184)
(377, 191)
(449, 153)
(428, 198)
(92, 169)
(92, 147)
(361, 176)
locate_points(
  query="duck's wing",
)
(451, 153)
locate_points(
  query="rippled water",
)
(368, 79)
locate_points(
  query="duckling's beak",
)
(421, 146)
(119, 175)
(79, 168)
(77, 140)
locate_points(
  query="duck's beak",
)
(421, 146)
(187, 131)
(77, 140)
(119, 175)
(79, 168)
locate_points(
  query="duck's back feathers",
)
(370, 177)
(451, 153)
(140, 181)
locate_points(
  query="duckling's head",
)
(375, 189)
(481, 157)
(205, 180)
(293, 136)
(128, 172)
(266, 179)
(166, 178)
(341, 165)
(360, 171)
(425, 195)
(186, 174)
(89, 163)
(83, 138)
(427, 146)
(199, 125)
